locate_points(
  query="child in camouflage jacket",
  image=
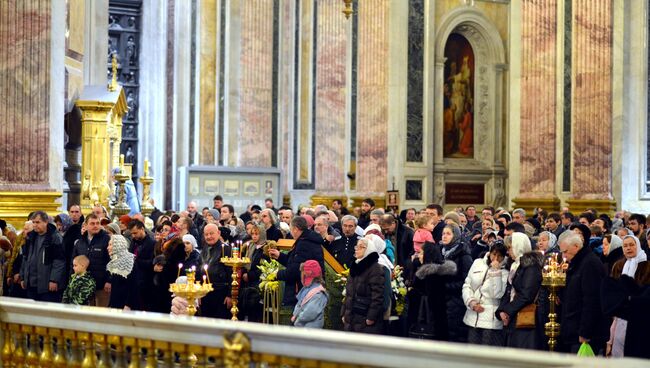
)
(81, 286)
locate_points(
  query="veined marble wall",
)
(25, 92)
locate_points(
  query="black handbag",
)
(424, 327)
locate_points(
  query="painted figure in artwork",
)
(458, 121)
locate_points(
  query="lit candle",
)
(205, 268)
(204, 279)
(121, 161)
(223, 246)
(180, 265)
(146, 167)
(193, 269)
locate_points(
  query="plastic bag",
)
(585, 350)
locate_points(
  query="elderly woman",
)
(270, 220)
(524, 282)
(124, 290)
(455, 250)
(634, 265)
(363, 308)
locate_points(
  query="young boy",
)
(81, 286)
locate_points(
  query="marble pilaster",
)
(592, 102)
(372, 118)
(207, 81)
(286, 103)
(256, 84)
(538, 105)
(330, 97)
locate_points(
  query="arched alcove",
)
(485, 165)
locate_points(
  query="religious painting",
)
(194, 185)
(458, 96)
(231, 187)
(211, 187)
(251, 188)
(268, 187)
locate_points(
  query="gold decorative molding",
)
(576, 206)
(529, 204)
(327, 199)
(237, 352)
(16, 206)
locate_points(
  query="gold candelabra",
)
(348, 8)
(146, 208)
(237, 262)
(553, 278)
(121, 207)
(192, 290)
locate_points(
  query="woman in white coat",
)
(484, 286)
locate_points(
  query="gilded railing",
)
(38, 334)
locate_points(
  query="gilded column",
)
(592, 106)
(538, 105)
(372, 115)
(331, 43)
(26, 85)
(256, 84)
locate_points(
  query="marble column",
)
(538, 106)
(592, 106)
(331, 43)
(372, 114)
(286, 89)
(30, 144)
(256, 84)
(207, 80)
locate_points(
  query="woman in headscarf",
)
(549, 248)
(634, 265)
(124, 287)
(250, 294)
(380, 246)
(524, 282)
(453, 249)
(192, 255)
(430, 269)
(612, 251)
(363, 308)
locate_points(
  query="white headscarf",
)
(380, 246)
(121, 262)
(631, 263)
(520, 246)
(615, 243)
(190, 238)
(370, 248)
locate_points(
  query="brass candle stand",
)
(192, 290)
(553, 278)
(146, 208)
(121, 207)
(236, 262)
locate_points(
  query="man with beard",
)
(400, 235)
(367, 206)
(217, 303)
(142, 246)
(343, 248)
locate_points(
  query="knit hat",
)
(310, 270)
(310, 221)
(453, 216)
(115, 227)
(374, 229)
(215, 214)
(420, 237)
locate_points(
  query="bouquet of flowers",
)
(342, 279)
(268, 276)
(399, 289)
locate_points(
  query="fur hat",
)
(310, 270)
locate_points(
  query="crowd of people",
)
(469, 278)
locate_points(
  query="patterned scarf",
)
(121, 262)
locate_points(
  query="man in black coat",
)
(43, 261)
(142, 246)
(217, 303)
(582, 318)
(94, 245)
(343, 248)
(307, 246)
(401, 236)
